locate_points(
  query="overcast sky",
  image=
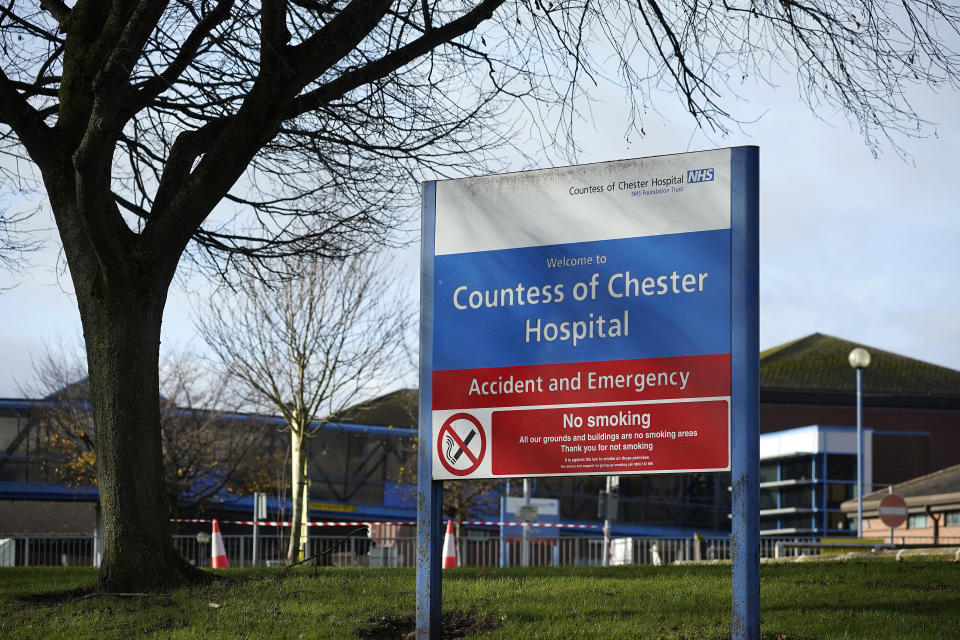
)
(860, 248)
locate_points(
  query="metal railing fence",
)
(78, 550)
(45, 550)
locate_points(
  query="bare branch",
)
(25, 122)
(186, 54)
(388, 64)
(57, 9)
(207, 444)
(15, 242)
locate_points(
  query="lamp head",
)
(859, 358)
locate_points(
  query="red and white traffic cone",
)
(449, 543)
(218, 555)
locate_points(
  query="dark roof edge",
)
(904, 401)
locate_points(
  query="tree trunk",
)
(121, 326)
(298, 475)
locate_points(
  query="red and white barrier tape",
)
(273, 523)
(557, 525)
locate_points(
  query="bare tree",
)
(64, 414)
(310, 348)
(15, 242)
(209, 449)
(309, 122)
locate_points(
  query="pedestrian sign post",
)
(592, 320)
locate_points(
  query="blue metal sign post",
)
(429, 491)
(745, 391)
(592, 320)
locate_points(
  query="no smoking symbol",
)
(461, 444)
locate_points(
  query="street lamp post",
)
(859, 359)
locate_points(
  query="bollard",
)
(655, 554)
(699, 547)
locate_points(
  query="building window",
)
(768, 472)
(798, 521)
(841, 467)
(837, 521)
(837, 493)
(768, 498)
(952, 519)
(918, 521)
(796, 497)
(797, 469)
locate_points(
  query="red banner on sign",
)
(583, 382)
(681, 436)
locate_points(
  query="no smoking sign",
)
(461, 444)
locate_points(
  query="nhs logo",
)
(700, 175)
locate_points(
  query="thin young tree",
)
(309, 348)
(233, 134)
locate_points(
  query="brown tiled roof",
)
(818, 363)
(939, 491)
(943, 481)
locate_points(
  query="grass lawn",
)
(869, 599)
